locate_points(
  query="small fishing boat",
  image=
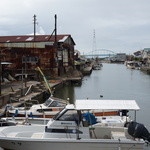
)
(73, 129)
(132, 65)
(97, 66)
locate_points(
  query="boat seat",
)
(12, 134)
(37, 135)
(118, 135)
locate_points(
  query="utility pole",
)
(56, 31)
(0, 72)
(94, 41)
(34, 22)
(56, 44)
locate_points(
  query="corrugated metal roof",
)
(30, 38)
(106, 105)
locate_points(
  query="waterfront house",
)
(146, 55)
(80, 61)
(138, 54)
(53, 54)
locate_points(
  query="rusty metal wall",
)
(47, 56)
(26, 44)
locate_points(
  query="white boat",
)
(71, 130)
(47, 110)
(13, 121)
(132, 65)
(87, 70)
(97, 66)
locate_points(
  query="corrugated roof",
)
(30, 38)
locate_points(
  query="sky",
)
(119, 25)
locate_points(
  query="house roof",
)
(30, 38)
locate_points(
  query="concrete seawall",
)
(16, 93)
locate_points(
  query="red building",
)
(27, 52)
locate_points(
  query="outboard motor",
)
(138, 130)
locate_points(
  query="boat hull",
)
(67, 144)
(51, 115)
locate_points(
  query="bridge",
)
(100, 53)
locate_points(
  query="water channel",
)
(114, 81)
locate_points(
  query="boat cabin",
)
(78, 120)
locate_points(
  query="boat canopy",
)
(106, 104)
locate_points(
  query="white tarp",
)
(6, 63)
(106, 104)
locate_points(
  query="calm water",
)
(114, 81)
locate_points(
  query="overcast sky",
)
(120, 25)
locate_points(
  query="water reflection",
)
(66, 92)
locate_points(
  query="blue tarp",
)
(90, 118)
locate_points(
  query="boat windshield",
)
(48, 102)
(53, 103)
(69, 115)
(59, 114)
(56, 104)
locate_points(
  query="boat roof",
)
(106, 104)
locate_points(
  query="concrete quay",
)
(17, 93)
(146, 69)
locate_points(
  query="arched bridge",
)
(100, 53)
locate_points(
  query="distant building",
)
(138, 54)
(146, 56)
(119, 57)
(146, 53)
(28, 52)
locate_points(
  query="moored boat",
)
(48, 109)
(132, 65)
(97, 66)
(71, 129)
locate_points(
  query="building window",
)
(27, 59)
